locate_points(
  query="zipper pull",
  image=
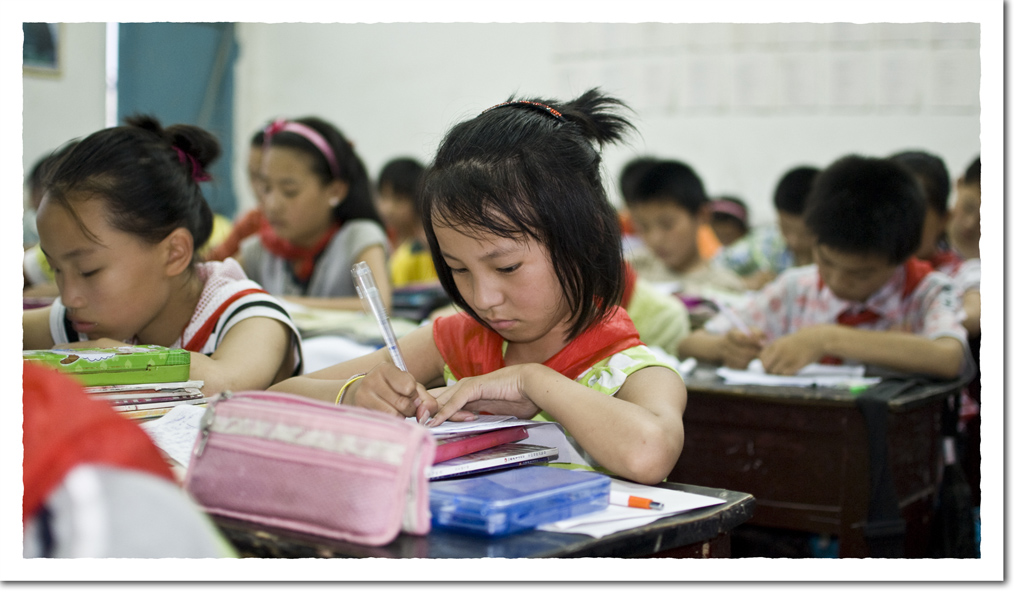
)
(207, 422)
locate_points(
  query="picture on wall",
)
(41, 49)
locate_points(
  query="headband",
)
(197, 170)
(725, 206)
(525, 103)
(309, 134)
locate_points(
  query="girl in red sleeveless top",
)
(526, 243)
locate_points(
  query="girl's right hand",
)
(388, 389)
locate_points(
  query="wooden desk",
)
(803, 453)
(698, 533)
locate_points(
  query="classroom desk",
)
(803, 452)
(699, 533)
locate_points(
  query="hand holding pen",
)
(742, 344)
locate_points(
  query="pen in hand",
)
(366, 286)
(735, 320)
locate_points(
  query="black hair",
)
(673, 181)
(40, 172)
(791, 192)
(358, 203)
(973, 173)
(404, 176)
(257, 138)
(867, 206)
(520, 171)
(631, 174)
(137, 169)
(931, 172)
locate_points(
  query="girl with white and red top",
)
(120, 223)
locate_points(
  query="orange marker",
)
(625, 500)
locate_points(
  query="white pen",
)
(735, 319)
(373, 304)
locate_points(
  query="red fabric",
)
(944, 258)
(199, 339)
(303, 258)
(471, 349)
(246, 226)
(915, 270)
(65, 428)
(627, 293)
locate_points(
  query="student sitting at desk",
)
(120, 223)
(866, 300)
(320, 219)
(527, 245)
(398, 199)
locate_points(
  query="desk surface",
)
(658, 538)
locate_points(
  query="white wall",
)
(70, 104)
(741, 103)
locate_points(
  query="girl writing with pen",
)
(527, 246)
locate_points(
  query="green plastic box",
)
(125, 365)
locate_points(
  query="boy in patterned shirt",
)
(865, 300)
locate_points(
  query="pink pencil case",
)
(335, 471)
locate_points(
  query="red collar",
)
(303, 258)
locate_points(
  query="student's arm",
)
(375, 257)
(758, 279)
(734, 349)
(385, 387)
(255, 353)
(972, 306)
(35, 325)
(638, 433)
(940, 357)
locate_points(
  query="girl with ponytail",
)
(527, 245)
(120, 222)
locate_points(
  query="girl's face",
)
(510, 284)
(296, 202)
(113, 287)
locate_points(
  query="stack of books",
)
(140, 381)
(463, 454)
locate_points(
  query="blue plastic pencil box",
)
(514, 500)
(124, 365)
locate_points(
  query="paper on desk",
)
(615, 518)
(820, 375)
(175, 433)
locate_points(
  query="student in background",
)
(668, 209)
(766, 252)
(527, 245)
(252, 221)
(320, 218)
(866, 300)
(399, 204)
(120, 223)
(965, 238)
(729, 219)
(96, 486)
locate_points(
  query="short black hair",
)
(631, 174)
(404, 175)
(530, 169)
(791, 192)
(670, 180)
(973, 173)
(867, 205)
(931, 172)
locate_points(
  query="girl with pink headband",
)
(320, 219)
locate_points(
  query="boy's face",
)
(965, 219)
(396, 211)
(934, 226)
(794, 231)
(852, 276)
(669, 231)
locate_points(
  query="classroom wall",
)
(70, 104)
(741, 103)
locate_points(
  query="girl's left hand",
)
(500, 392)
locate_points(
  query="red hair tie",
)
(525, 103)
(198, 174)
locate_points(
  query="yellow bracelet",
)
(351, 380)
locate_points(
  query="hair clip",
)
(525, 103)
(197, 170)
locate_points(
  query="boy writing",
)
(865, 300)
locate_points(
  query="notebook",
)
(502, 456)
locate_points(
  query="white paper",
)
(175, 433)
(616, 518)
(812, 375)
